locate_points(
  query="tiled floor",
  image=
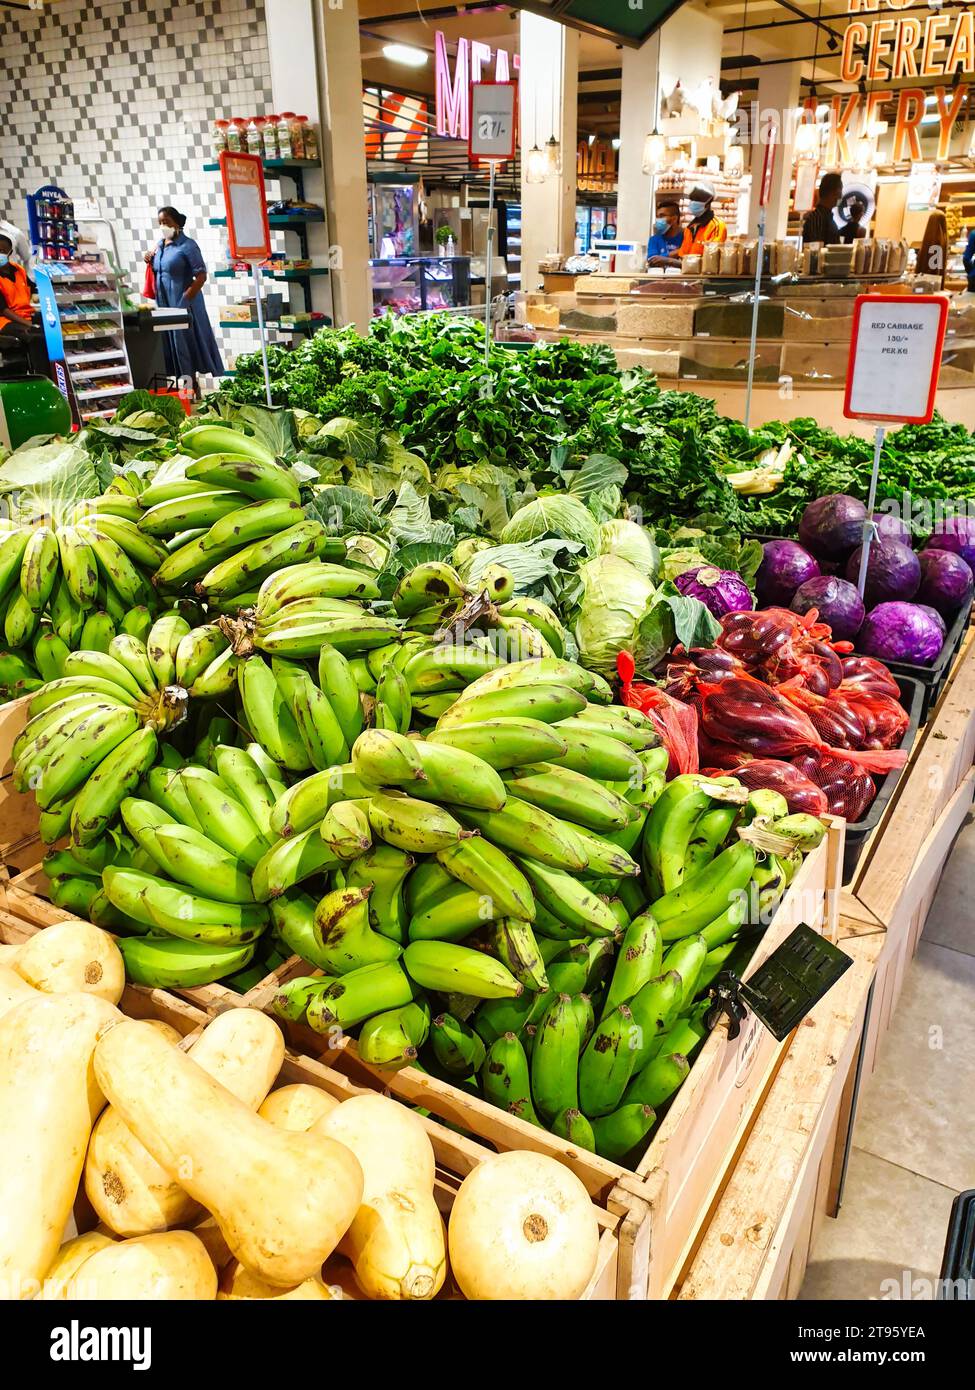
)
(914, 1139)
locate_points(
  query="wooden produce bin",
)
(902, 866)
(624, 1219)
(757, 1242)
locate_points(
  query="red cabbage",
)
(892, 528)
(947, 583)
(956, 533)
(902, 632)
(893, 572)
(785, 565)
(721, 591)
(831, 526)
(838, 603)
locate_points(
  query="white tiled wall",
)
(113, 99)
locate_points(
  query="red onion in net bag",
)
(849, 789)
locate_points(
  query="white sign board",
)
(895, 357)
(493, 120)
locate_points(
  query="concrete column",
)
(549, 76)
(686, 48)
(343, 154)
(779, 90)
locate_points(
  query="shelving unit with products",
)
(509, 244)
(86, 294)
(298, 270)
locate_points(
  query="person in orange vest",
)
(15, 289)
(702, 228)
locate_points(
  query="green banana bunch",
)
(555, 1058)
(343, 935)
(392, 1039)
(607, 1063)
(458, 1049)
(354, 997)
(505, 1078)
(451, 969)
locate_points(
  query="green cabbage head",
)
(615, 598)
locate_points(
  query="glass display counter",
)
(699, 330)
(415, 284)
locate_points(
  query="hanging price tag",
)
(493, 120)
(895, 357)
(792, 981)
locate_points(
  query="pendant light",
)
(553, 150)
(536, 160)
(809, 134)
(655, 146)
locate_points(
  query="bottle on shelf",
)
(295, 140)
(272, 148)
(284, 135)
(255, 136)
(309, 138)
(218, 137)
(236, 135)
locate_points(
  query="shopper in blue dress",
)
(180, 273)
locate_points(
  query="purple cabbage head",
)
(832, 526)
(785, 565)
(956, 533)
(908, 632)
(947, 583)
(837, 602)
(893, 572)
(892, 528)
(721, 591)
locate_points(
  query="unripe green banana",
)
(539, 671)
(115, 777)
(569, 900)
(495, 1017)
(707, 837)
(654, 1009)
(294, 996)
(238, 771)
(392, 1039)
(515, 944)
(585, 1017)
(545, 702)
(605, 858)
(618, 1134)
(487, 870)
(504, 743)
(555, 1058)
(448, 968)
(385, 869)
(382, 757)
(638, 961)
(573, 1126)
(345, 939)
(50, 654)
(345, 829)
(168, 963)
(452, 915)
(419, 827)
(728, 923)
(505, 1079)
(293, 916)
(658, 1080)
(699, 900)
(805, 831)
(458, 1049)
(714, 963)
(596, 955)
(290, 862)
(540, 615)
(521, 828)
(458, 778)
(360, 994)
(303, 806)
(570, 795)
(430, 582)
(607, 1063)
(687, 957)
(335, 678)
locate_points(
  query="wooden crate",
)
(624, 1219)
(757, 1243)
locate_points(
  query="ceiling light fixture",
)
(536, 165)
(403, 53)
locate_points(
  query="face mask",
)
(167, 233)
(4, 260)
(696, 207)
(661, 225)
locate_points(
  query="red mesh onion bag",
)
(849, 789)
(676, 723)
(777, 776)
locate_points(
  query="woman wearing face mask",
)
(180, 276)
(667, 235)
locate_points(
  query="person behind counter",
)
(820, 225)
(932, 257)
(21, 246)
(667, 235)
(703, 227)
(177, 264)
(854, 230)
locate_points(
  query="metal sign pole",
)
(262, 330)
(869, 525)
(759, 262)
(488, 267)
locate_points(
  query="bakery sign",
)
(886, 44)
(452, 89)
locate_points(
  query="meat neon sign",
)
(452, 91)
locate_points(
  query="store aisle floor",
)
(913, 1143)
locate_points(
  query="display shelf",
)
(276, 219)
(98, 392)
(77, 359)
(271, 166)
(274, 275)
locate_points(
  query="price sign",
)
(768, 168)
(493, 120)
(895, 357)
(243, 191)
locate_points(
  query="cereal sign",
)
(888, 45)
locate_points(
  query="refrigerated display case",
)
(593, 224)
(394, 216)
(417, 284)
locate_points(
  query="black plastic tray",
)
(932, 677)
(958, 1265)
(857, 832)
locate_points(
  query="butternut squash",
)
(297, 1107)
(49, 1099)
(217, 1248)
(69, 1260)
(73, 955)
(8, 954)
(166, 1030)
(522, 1227)
(166, 1266)
(14, 990)
(238, 1283)
(130, 1191)
(282, 1199)
(396, 1241)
